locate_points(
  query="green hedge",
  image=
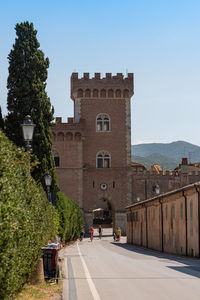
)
(71, 219)
(26, 221)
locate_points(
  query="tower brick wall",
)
(79, 175)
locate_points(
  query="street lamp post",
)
(28, 129)
(157, 189)
(48, 180)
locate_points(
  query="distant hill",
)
(165, 162)
(168, 156)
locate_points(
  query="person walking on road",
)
(91, 233)
(100, 231)
(81, 235)
(118, 234)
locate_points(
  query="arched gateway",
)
(105, 214)
(95, 163)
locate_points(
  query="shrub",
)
(26, 221)
(56, 218)
(71, 219)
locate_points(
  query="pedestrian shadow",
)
(97, 236)
(191, 265)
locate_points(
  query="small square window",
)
(57, 161)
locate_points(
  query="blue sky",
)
(157, 40)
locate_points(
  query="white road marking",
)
(88, 277)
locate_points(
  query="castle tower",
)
(95, 168)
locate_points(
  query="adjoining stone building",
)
(169, 222)
(144, 182)
(92, 150)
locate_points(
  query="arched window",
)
(95, 93)
(99, 124)
(53, 136)
(118, 93)
(56, 158)
(100, 161)
(69, 136)
(87, 93)
(103, 93)
(60, 137)
(110, 93)
(80, 93)
(103, 122)
(77, 136)
(126, 93)
(103, 159)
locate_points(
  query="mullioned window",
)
(102, 123)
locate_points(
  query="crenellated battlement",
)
(70, 124)
(151, 174)
(147, 174)
(145, 182)
(69, 131)
(110, 86)
(60, 127)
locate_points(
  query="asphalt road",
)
(106, 270)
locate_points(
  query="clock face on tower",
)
(103, 186)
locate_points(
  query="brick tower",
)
(93, 150)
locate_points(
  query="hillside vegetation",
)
(165, 162)
(168, 156)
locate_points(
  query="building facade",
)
(144, 182)
(92, 150)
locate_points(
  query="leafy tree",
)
(27, 96)
(71, 218)
(1, 120)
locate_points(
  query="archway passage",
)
(104, 215)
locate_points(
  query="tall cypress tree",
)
(1, 120)
(27, 96)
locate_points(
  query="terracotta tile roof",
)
(135, 164)
(156, 168)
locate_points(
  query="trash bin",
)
(50, 263)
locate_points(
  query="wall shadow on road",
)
(193, 270)
(192, 265)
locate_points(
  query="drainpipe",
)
(162, 231)
(145, 188)
(198, 215)
(146, 228)
(186, 225)
(131, 229)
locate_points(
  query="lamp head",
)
(48, 180)
(157, 189)
(28, 129)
